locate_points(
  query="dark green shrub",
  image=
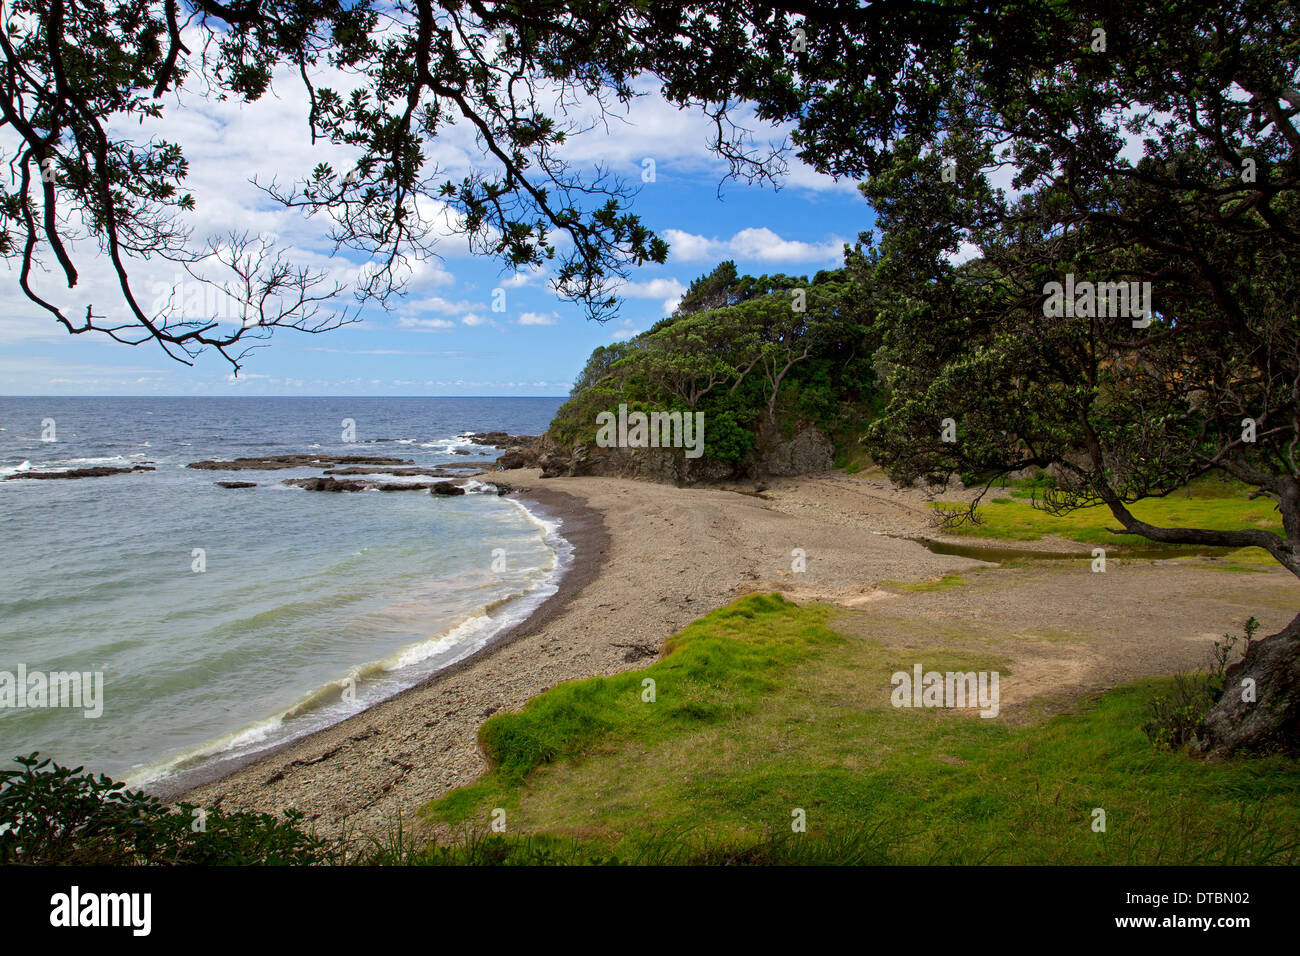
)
(52, 815)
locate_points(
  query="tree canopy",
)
(1126, 314)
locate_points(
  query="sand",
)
(650, 558)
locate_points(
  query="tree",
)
(1122, 401)
(80, 74)
(696, 354)
(712, 291)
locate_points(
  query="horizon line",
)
(103, 395)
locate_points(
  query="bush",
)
(52, 815)
(1176, 719)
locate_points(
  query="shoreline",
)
(581, 527)
(649, 558)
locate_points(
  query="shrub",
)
(1176, 719)
(52, 815)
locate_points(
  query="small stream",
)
(997, 555)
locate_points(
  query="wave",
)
(66, 464)
(460, 442)
(367, 684)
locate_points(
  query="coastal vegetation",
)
(755, 355)
(758, 710)
(1146, 167)
(52, 815)
(1146, 158)
(765, 707)
(1016, 513)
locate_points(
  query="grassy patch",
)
(1206, 503)
(934, 584)
(765, 708)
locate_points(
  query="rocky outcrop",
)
(99, 471)
(498, 439)
(351, 484)
(518, 451)
(277, 462)
(805, 451)
(377, 470)
(237, 484)
(447, 488)
(327, 484)
(521, 455)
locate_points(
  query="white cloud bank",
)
(756, 244)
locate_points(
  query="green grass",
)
(921, 587)
(1207, 503)
(765, 707)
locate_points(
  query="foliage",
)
(1176, 717)
(524, 78)
(1122, 406)
(53, 815)
(710, 772)
(750, 364)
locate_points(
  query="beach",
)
(650, 558)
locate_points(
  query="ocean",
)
(223, 621)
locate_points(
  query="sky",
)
(442, 337)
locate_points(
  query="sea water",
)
(224, 621)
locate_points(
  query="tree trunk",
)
(1271, 722)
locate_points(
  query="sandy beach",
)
(650, 558)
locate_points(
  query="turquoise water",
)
(299, 592)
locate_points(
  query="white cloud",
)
(652, 289)
(626, 332)
(473, 319)
(965, 253)
(667, 289)
(755, 244)
(424, 325)
(536, 318)
(30, 328)
(676, 140)
(520, 279)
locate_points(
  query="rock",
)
(500, 439)
(237, 484)
(99, 471)
(808, 451)
(447, 488)
(349, 484)
(327, 484)
(406, 472)
(520, 456)
(276, 462)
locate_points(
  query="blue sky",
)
(443, 338)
